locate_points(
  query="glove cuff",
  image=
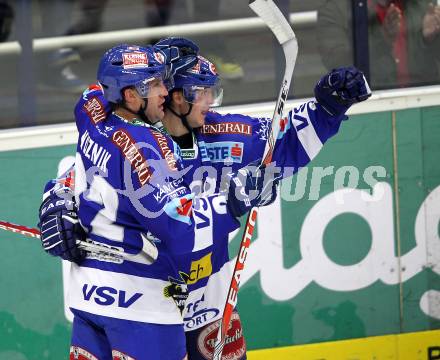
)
(57, 201)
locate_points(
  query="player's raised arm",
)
(307, 127)
(303, 130)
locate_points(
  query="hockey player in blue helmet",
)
(195, 91)
(113, 122)
(134, 80)
(225, 143)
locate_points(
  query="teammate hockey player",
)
(129, 192)
(225, 143)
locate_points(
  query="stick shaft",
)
(147, 256)
(275, 20)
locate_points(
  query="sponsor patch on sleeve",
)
(95, 110)
(128, 148)
(167, 153)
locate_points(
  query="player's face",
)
(155, 104)
(201, 99)
(196, 118)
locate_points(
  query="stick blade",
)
(273, 18)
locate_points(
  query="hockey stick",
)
(97, 250)
(282, 30)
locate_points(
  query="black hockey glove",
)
(180, 53)
(340, 89)
(59, 226)
(253, 185)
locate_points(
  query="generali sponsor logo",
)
(167, 153)
(227, 128)
(95, 110)
(135, 60)
(128, 147)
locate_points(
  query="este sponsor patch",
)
(167, 153)
(200, 269)
(77, 353)
(222, 151)
(128, 148)
(235, 346)
(134, 60)
(95, 110)
(226, 128)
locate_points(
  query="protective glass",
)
(153, 86)
(209, 96)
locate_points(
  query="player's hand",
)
(340, 89)
(180, 53)
(253, 185)
(59, 226)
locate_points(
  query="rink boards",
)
(328, 263)
(415, 346)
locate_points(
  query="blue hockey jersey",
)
(224, 144)
(129, 188)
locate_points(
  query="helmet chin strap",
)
(182, 117)
(141, 112)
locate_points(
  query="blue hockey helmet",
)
(130, 65)
(200, 84)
